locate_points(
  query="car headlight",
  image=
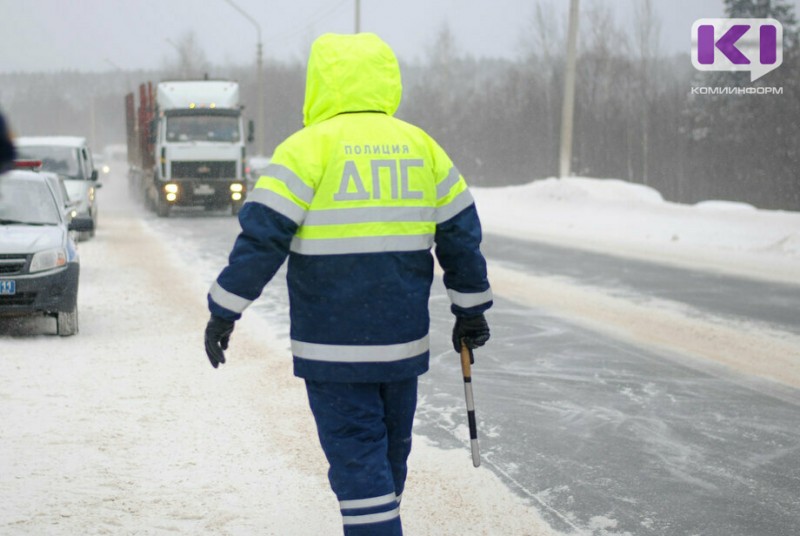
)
(48, 259)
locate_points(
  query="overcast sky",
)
(101, 35)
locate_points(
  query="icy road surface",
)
(603, 434)
(773, 305)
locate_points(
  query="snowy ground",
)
(126, 429)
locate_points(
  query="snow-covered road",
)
(126, 428)
(606, 409)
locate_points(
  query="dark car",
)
(39, 264)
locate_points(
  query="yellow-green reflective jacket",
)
(357, 199)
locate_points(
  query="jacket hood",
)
(350, 73)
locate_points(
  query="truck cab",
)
(199, 146)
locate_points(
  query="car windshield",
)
(62, 160)
(26, 202)
(203, 128)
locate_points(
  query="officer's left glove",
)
(473, 330)
(218, 334)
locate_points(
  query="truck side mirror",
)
(94, 175)
(251, 131)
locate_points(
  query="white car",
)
(71, 158)
(39, 263)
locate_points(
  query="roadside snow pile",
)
(576, 188)
(628, 219)
(724, 205)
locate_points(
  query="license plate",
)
(203, 189)
(8, 287)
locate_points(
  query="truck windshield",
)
(203, 128)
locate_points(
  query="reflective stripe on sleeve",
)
(469, 299)
(228, 300)
(368, 503)
(295, 184)
(361, 244)
(459, 203)
(359, 353)
(278, 203)
(444, 187)
(371, 518)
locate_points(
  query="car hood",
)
(30, 238)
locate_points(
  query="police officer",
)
(357, 199)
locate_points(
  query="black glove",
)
(473, 330)
(218, 333)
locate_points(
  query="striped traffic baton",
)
(466, 369)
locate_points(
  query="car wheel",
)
(67, 322)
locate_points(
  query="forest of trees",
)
(635, 117)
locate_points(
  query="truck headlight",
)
(236, 187)
(48, 259)
(171, 188)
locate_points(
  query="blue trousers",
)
(365, 432)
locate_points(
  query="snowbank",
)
(626, 219)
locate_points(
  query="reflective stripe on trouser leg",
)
(351, 423)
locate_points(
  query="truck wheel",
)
(236, 207)
(67, 322)
(162, 207)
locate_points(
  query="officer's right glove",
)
(473, 330)
(218, 334)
